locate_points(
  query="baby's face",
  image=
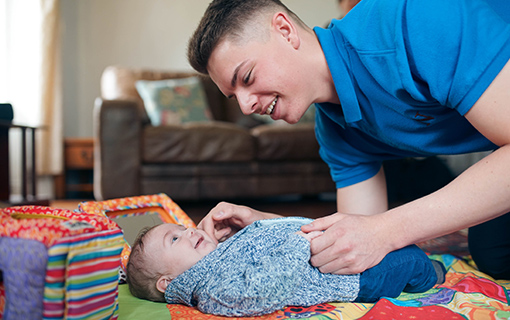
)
(177, 248)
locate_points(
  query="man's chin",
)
(292, 120)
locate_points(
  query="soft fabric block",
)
(58, 264)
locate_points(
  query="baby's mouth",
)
(199, 242)
(270, 109)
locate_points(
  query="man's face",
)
(264, 77)
(176, 248)
(346, 5)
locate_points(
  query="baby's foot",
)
(440, 271)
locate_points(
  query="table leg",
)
(5, 189)
(34, 171)
(24, 164)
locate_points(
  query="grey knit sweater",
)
(259, 270)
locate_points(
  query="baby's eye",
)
(174, 238)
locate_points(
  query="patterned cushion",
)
(174, 101)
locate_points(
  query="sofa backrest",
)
(118, 83)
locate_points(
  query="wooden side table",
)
(78, 168)
(5, 188)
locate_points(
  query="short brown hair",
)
(141, 278)
(227, 18)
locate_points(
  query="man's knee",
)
(489, 245)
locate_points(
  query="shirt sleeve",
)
(339, 148)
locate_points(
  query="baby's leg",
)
(420, 282)
(440, 271)
(407, 269)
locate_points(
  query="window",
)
(20, 58)
(21, 79)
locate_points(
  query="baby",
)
(261, 269)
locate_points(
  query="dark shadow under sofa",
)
(231, 156)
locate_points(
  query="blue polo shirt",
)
(406, 72)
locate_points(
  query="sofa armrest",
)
(117, 148)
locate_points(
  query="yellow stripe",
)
(35, 216)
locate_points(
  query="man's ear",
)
(284, 26)
(162, 283)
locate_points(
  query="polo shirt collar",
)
(337, 57)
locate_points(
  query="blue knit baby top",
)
(259, 270)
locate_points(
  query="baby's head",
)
(160, 254)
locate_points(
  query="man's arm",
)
(354, 243)
(367, 197)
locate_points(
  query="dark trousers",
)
(489, 245)
(407, 269)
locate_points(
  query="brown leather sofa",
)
(223, 159)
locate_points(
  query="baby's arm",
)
(309, 236)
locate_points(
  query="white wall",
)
(135, 33)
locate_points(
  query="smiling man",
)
(250, 70)
(392, 79)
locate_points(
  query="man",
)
(346, 5)
(392, 79)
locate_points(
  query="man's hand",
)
(350, 243)
(309, 236)
(224, 220)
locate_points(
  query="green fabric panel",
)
(131, 308)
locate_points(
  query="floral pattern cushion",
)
(174, 101)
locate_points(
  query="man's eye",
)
(247, 78)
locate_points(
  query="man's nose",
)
(247, 102)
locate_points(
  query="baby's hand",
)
(309, 236)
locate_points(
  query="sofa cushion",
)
(174, 101)
(286, 142)
(213, 141)
(118, 83)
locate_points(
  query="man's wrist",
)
(390, 230)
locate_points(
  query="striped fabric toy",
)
(58, 264)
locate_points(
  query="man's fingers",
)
(223, 234)
(328, 261)
(335, 269)
(204, 224)
(214, 227)
(220, 215)
(327, 240)
(309, 236)
(322, 252)
(313, 235)
(208, 226)
(321, 223)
